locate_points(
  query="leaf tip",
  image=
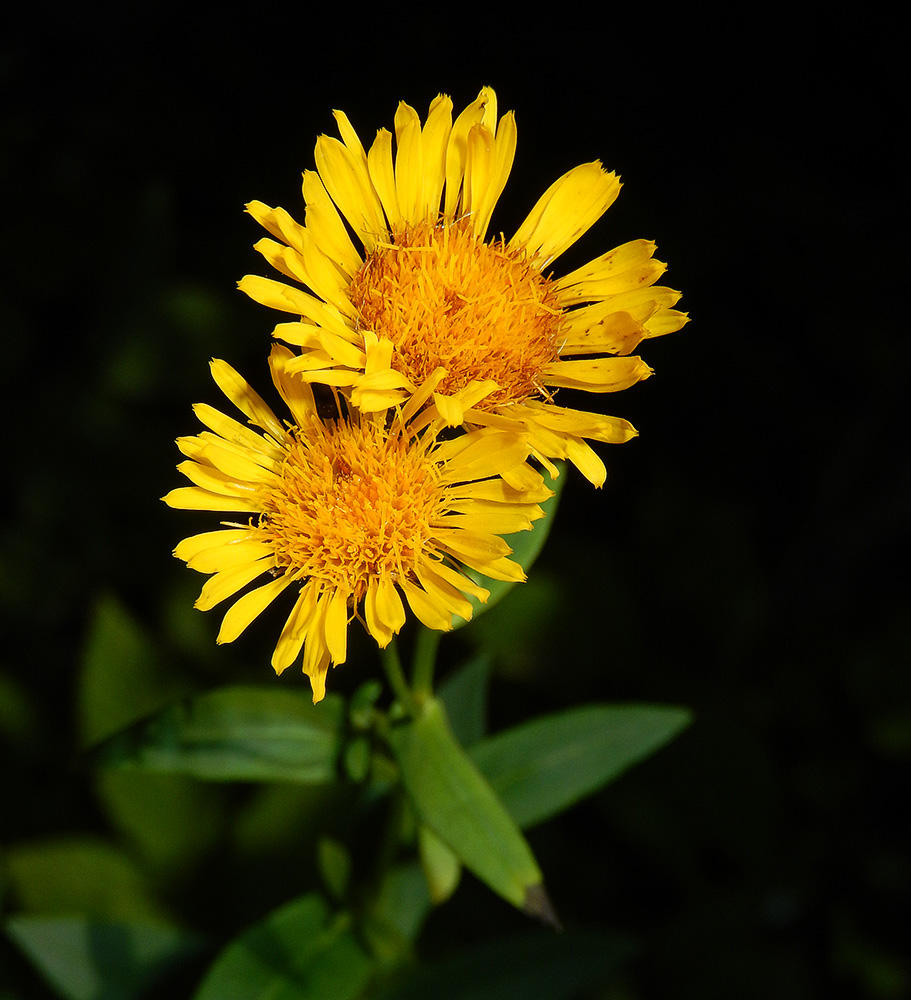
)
(537, 904)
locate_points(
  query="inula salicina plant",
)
(400, 475)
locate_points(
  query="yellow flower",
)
(478, 322)
(352, 513)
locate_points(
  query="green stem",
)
(392, 664)
(425, 655)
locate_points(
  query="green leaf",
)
(334, 862)
(456, 803)
(169, 820)
(277, 817)
(464, 696)
(539, 964)
(299, 952)
(236, 734)
(441, 867)
(357, 758)
(403, 899)
(122, 675)
(87, 959)
(396, 914)
(526, 547)
(544, 766)
(80, 875)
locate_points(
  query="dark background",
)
(747, 557)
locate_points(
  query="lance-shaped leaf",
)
(526, 547)
(452, 798)
(88, 958)
(299, 952)
(122, 675)
(544, 766)
(236, 734)
(441, 867)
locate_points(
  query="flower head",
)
(428, 306)
(351, 513)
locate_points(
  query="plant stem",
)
(427, 642)
(392, 664)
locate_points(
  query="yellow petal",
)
(196, 448)
(578, 423)
(436, 136)
(597, 375)
(278, 222)
(496, 490)
(246, 399)
(217, 559)
(642, 276)
(566, 210)
(284, 259)
(461, 582)
(348, 183)
(213, 481)
(382, 174)
(475, 391)
(248, 607)
(379, 352)
(295, 629)
(261, 450)
(523, 477)
(383, 610)
(586, 461)
(596, 330)
(498, 169)
(495, 522)
(376, 400)
(479, 161)
(480, 454)
(423, 393)
(472, 547)
(286, 298)
(409, 165)
(236, 466)
(665, 321)
(296, 393)
(336, 625)
(457, 148)
(307, 264)
(376, 625)
(640, 303)
(316, 652)
(194, 498)
(504, 569)
(428, 610)
(442, 592)
(449, 408)
(617, 270)
(316, 367)
(350, 137)
(223, 585)
(195, 544)
(523, 510)
(389, 604)
(326, 225)
(316, 669)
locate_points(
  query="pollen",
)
(354, 501)
(447, 299)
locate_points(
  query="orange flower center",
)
(479, 310)
(356, 501)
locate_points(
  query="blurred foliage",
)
(744, 558)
